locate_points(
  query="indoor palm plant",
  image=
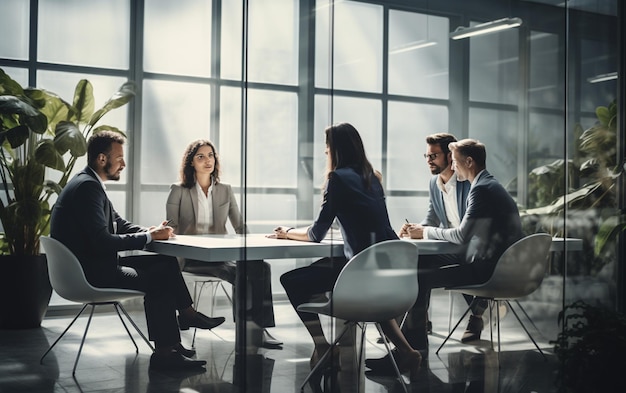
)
(38, 130)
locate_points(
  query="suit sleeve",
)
(328, 211)
(172, 207)
(477, 204)
(234, 215)
(93, 208)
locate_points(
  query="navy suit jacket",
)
(361, 212)
(436, 215)
(82, 219)
(491, 222)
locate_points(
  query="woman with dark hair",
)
(201, 204)
(353, 195)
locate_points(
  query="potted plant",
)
(38, 130)
(591, 349)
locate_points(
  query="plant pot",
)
(25, 291)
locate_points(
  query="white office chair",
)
(376, 285)
(213, 285)
(68, 280)
(518, 273)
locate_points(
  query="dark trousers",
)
(440, 271)
(160, 278)
(303, 283)
(259, 302)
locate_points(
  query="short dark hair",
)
(187, 171)
(442, 139)
(471, 148)
(101, 142)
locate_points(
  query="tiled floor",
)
(109, 364)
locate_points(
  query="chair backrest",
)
(68, 278)
(520, 270)
(377, 284)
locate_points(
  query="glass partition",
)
(262, 79)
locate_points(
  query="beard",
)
(109, 175)
(438, 169)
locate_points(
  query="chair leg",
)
(453, 329)
(320, 363)
(118, 307)
(82, 342)
(527, 332)
(63, 334)
(393, 361)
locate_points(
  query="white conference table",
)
(217, 248)
(250, 247)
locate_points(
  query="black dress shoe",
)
(270, 342)
(188, 353)
(381, 365)
(174, 361)
(474, 328)
(199, 321)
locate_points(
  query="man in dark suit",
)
(490, 225)
(84, 219)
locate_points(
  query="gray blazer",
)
(182, 210)
(436, 215)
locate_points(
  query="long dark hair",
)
(187, 172)
(345, 149)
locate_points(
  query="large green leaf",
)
(68, 137)
(84, 101)
(28, 114)
(125, 93)
(9, 86)
(57, 110)
(16, 136)
(609, 229)
(47, 154)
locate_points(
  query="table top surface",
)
(212, 248)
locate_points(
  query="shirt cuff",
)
(148, 237)
(425, 232)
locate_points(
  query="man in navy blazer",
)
(490, 225)
(84, 219)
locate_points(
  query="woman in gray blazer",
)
(201, 204)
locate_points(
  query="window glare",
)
(81, 38)
(174, 47)
(16, 27)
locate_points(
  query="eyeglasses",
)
(431, 157)
(204, 157)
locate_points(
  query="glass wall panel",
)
(355, 53)
(364, 114)
(231, 39)
(14, 25)
(174, 114)
(418, 54)
(545, 88)
(272, 136)
(81, 38)
(598, 74)
(177, 37)
(498, 131)
(409, 124)
(494, 67)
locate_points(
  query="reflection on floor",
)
(109, 364)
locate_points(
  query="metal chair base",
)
(118, 307)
